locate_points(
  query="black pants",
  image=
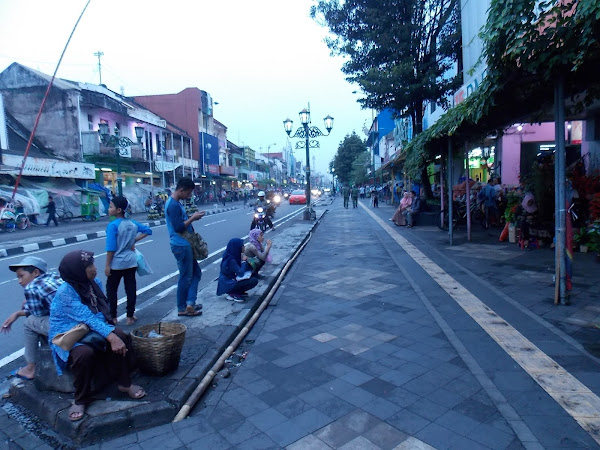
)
(90, 366)
(52, 217)
(375, 202)
(355, 202)
(244, 286)
(112, 285)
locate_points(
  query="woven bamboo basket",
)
(160, 355)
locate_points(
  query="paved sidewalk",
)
(357, 352)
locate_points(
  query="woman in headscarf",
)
(107, 350)
(398, 218)
(234, 279)
(255, 252)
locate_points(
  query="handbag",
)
(142, 265)
(69, 338)
(95, 340)
(199, 246)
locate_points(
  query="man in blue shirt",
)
(40, 288)
(189, 270)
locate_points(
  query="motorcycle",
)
(259, 219)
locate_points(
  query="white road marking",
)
(572, 395)
(213, 223)
(17, 354)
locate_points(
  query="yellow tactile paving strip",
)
(575, 398)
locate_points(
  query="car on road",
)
(297, 198)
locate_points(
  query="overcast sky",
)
(262, 60)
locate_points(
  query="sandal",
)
(76, 412)
(189, 311)
(134, 391)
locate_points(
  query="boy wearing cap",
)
(40, 288)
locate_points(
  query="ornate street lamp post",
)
(309, 134)
(119, 143)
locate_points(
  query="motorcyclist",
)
(261, 202)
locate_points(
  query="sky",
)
(261, 60)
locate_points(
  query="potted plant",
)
(583, 239)
(594, 240)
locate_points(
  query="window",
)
(90, 122)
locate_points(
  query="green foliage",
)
(348, 150)
(359, 168)
(397, 51)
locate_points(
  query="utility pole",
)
(99, 54)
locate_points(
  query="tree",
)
(347, 151)
(398, 51)
(359, 168)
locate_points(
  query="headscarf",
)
(72, 270)
(406, 200)
(253, 238)
(232, 252)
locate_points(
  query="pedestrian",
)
(354, 194)
(234, 278)
(39, 288)
(51, 208)
(257, 254)
(105, 352)
(398, 217)
(375, 198)
(190, 273)
(410, 212)
(121, 258)
(346, 194)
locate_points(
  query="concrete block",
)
(152, 414)
(182, 391)
(46, 378)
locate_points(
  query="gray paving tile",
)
(490, 436)
(223, 416)
(292, 407)
(335, 408)
(402, 397)
(446, 398)
(396, 377)
(360, 443)
(336, 434)
(316, 396)
(457, 422)
(285, 433)
(381, 408)
(358, 396)
(309, 442)
(356, 377)
(311, 420)
(385, 436)
(408, 422)
(359, 421)
(212, 441)
(420, 387)
(258, 442)
(259, 386)
(475, 410)
(427, 409)
(239, 432)
(267, 419)
(437, 436)
(379, 387)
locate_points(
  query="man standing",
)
(40, 288)
(346, 194)
(51, 208)
(178, 222)
(354, 194)
(413, 209)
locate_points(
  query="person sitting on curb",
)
(413, 209)
(105, 352)
(40, 288)
(235, 278)
(256, 253)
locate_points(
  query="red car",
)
(298, 198)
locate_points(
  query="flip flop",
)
(134, 391)
(15, 373)
(76, 412)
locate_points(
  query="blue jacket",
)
(231, 266)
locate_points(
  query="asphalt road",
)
(216, 229)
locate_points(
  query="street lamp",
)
(309, 134)
(119, 143)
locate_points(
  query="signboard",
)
(209, 150)
(166, 166)
(227, 170)
(41, 167)
(467, 89)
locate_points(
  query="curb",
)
(153, 414)
(4, 252)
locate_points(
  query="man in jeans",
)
(40, 288)
(189, 270)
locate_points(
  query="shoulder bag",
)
(199, 246)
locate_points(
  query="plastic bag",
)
(142, 265)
